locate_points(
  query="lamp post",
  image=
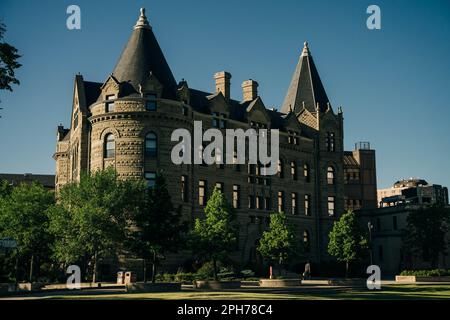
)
(370, 227)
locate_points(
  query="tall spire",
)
(142, 55)
(306, 89)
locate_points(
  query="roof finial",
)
(305, 51)
(142, 21)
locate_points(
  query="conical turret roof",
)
(141, 56)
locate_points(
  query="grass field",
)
(389, 292)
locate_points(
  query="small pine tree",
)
(279, 244)
(216, 235)
(347, 240)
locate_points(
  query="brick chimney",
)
(223, 83)
(249, 90)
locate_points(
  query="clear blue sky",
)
(393, 83)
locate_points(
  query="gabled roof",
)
(141, 56)
(306, 87)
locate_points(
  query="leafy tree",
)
(158, 227)
(216, 235)
(92, 217)
(8, 62)
(347, 240)
(426, 232)
(5, 188)
(279, 244)
(23, 217)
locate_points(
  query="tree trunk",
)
(280, 267)
(94, 272)
(154, 267)
(346, 269)
(215, 269)
(31, 268)
(16, 268)
(144, 266)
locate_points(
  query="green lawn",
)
(388, 292)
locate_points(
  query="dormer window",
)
(293, 137)
(110, 105)
(150, 104)
(218, 120)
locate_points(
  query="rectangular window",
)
(307, 204)
(331, 210)
(151, 178)
(259, 202)
(202, 192)
(110, 106)
(219, 186)
(294, 202)
(330, 143)
(267, 203)
(236, 196)
(251, 202)
(150, 103)
(280, 169)
(184, 189)
(306, 173)
(293, 170)
(280, 201)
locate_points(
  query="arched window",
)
(306, 241)
(151, 148)
(330, 175)
(306, 172)
(110, 146)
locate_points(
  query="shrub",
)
(247, 273)
(206, 271)
(185, 277)
(426, 273)
(165, 277)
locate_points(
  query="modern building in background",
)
(126, 122)
(412, 191)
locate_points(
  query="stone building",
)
(360, 178)
(127, 121)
